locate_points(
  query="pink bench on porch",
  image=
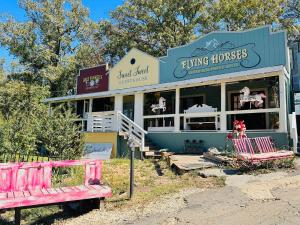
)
(259, 149)
(29, 184)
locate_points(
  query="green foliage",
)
(19, 98)
(152, 26)
(25, 124)
(60, 135)
(46, 44)
(20, 107)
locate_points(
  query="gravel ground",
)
(169, 204)
(267, 199)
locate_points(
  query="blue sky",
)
(99, 9)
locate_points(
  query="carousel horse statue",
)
(161, 105)
(256, 99)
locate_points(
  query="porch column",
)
(283, 109)
(177, 117)
(223, 117)
(119, 103)
(90, 105)
(90, 117)
(139, 109)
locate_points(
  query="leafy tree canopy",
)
(47, 43)
(152, 26)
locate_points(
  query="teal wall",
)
(264, 49)
(175, 141)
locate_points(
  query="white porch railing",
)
(117, 121)
(293, 130)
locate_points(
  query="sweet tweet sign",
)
(135, 69)
(224, 52)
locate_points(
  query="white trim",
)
(229, 77)
(252, 111)
(159, 116)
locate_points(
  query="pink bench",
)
(29, 184)
(259, 149)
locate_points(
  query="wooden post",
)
(131, 171)
(177, 111)
(283, 103)
(101, 203)
(17, 216)
(223, 116)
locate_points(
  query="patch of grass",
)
(153, 179)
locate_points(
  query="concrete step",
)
(152, 154)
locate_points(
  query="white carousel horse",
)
(256, 99)
(161, 105)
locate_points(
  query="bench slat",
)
(3, 196)
(92, 192)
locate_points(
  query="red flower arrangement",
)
(239, 130)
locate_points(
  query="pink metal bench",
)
(259, 149)
(29, 184)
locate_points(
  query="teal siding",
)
(175, 141)
(265, 49)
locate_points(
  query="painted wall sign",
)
(92, 80)
(97, 150)
(224, 52)
(135, 69)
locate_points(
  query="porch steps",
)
(151, 150)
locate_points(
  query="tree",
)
(2, 73)
(234, 15)
(46, 43)
(60, 135)
(293, 14)
(152, 26)
(18, 97)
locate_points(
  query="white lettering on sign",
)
(215, 59)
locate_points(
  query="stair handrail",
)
(138, 129)
(132, 122)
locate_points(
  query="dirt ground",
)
(267, 199)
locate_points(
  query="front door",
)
(128, 106)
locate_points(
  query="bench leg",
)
(17, 216)
(101, 203)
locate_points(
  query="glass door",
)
(128, 106)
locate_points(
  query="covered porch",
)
(207, 105)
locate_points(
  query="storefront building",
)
(194, 93)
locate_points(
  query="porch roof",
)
(157, 87)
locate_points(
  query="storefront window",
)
(158, 103)
(103, 104)
(260, 97)
(256, 121)
(200, 99)
(253, 94)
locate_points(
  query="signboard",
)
(224, 52)
(135, 69)
(97, 150)
(92, 80)
(297, 103)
